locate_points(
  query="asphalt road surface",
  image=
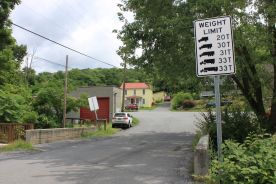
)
(157, 151)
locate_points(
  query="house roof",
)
(135, 85)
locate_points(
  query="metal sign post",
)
(214, 49)
(218, 116)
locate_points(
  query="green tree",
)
(49, 100)
(11, 54)
(267, 11)
(16, 104)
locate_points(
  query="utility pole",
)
(65, 93)
(124, 87)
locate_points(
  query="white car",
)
(121, 120)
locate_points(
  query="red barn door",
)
(103, 112)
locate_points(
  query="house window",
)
(144, 101)
(144, 91)
(125, 92)
(134, 92)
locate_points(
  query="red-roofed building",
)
(138, 93)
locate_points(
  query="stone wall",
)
(40, 136)
(201, 159)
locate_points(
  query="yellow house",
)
(138, 93)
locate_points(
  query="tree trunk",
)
(250, 85)
(272, 29)
(273, 103)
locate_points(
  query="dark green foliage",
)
(188, 104)
(11, 54)
(237, 124)
(49, 104)
(30, 117)
(253, 162)
(44, 121)
(16, 103)
(11, 107)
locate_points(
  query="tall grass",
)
(17, 145)
(100, 132)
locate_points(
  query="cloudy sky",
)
(84, 25)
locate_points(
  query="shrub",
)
(196, 96)
(179, 98)
(253, 162)
(46, 122)
(237, 124)
(13, 107)
(30, 117)
(187, 104)
(206, 124)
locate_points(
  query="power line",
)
(64, 46)
(49, 61)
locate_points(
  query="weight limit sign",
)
(214, 46)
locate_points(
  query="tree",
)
(163, 31)
(11, 54)
(49, 100)
(267, 10)
(16, 104)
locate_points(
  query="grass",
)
(108, 132)
(135, 121)
(18, 145)
(101, 132)
(196, 139)
(149, 108)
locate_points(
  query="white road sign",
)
(93, 103)
(214, 46)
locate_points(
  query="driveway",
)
(157, 151)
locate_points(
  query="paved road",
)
(157, 151)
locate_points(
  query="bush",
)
(237, 124)
(13, 107)
(253, 162)
(196, 96)
(30, 117)
(179, 98)
(46, 122)
(187, 104)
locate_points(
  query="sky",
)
(83, 25)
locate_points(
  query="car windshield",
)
(120, 115)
